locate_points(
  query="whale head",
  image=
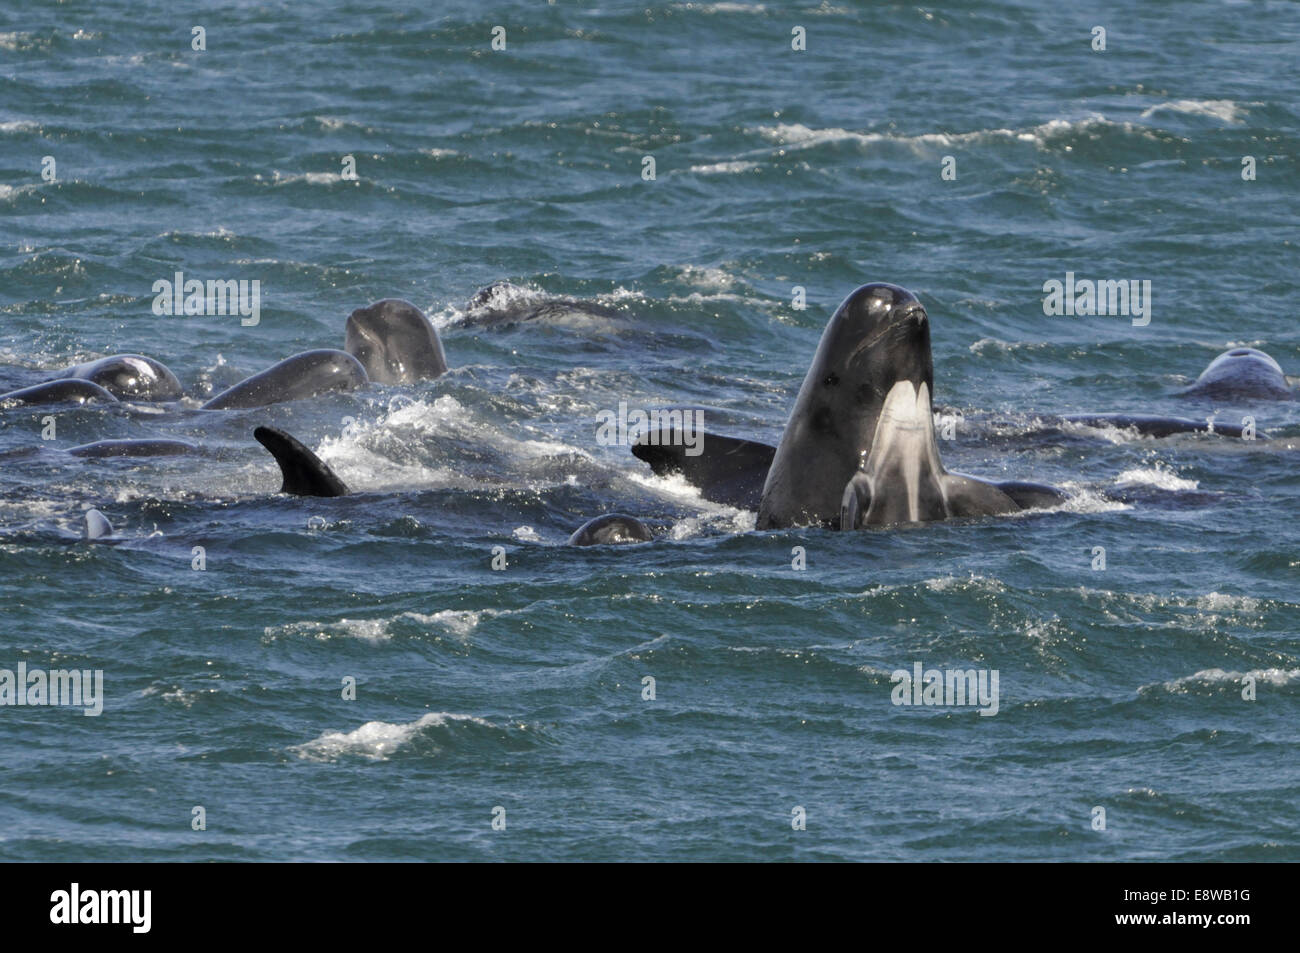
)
(878, 339)
(1242, 373)
(395, 343)
(129, 377)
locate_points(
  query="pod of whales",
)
(389, 342)
(858, 450)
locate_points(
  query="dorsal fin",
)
(305, 474)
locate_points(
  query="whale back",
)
(304, 375)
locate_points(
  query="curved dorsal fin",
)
(305, 474)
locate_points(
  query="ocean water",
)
(517, 694)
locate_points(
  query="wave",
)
(1217, 681)
(459, 623)
(378, 740)
(799, 136)
(714, 168)
(1222, 109)
(1159, 476)
(504, 302)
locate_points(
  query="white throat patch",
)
(904, 452)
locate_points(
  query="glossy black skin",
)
(880, 335)
(68, 391)
(129, 377)
(303, 375)
(611, 528)
(395, 343)
(304, 473)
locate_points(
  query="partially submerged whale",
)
(109, 379)
(395, 342)
(72, 391)
(1242, 373)
(305, 474)
(304, 375)
(97, 525)
(144, 447)
(859, 448)
(1239, 375)
(611, 528)
(503, 303)
(129, 377)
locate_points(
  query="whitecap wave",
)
(799, 136)
(716, 168)
(1222, 109)
(1215, 679)
(377, 740)
(459, 623)
(1158, 476)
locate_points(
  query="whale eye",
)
(831, 380)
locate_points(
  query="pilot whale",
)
(117, 378)
(1241, 375)
(611, 528)
(859, 448)
(388, 342)
(70, 391)
(305, 474)
(129, 377)
(304, 375)
(395, 342)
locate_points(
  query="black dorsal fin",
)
(305, 474)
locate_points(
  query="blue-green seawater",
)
(1120, 688)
